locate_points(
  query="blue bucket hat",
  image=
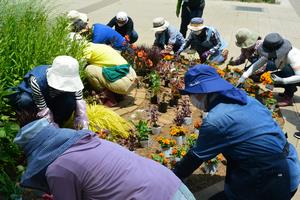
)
(203, 79)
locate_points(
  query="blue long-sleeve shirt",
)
(103, 34)
(243, 132)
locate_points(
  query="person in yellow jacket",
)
(108, 72)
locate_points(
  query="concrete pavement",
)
(226, 16)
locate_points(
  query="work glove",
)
(47, 197)
(169, 47)
(276, 79)
(81, 120)
(47, 114)
(240, 82)
(204, 56)
(127, 38)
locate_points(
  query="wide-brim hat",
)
(64, 75)
(74, 15)
(274, 46)
(203, 79)
(196, 24)
(160, 24)
(245, 38)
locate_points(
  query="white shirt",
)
(292, 59)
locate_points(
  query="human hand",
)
(240, 82)
(81, 120)
(276, 79)
(204, 56)
(127, 38)
(47, 197)
(47, 114)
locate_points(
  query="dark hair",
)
(78, 25)
(25, 116)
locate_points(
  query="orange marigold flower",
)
(140, 54)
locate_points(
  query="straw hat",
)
(245, 38)
(196, 24)
(64, 74)
(160, 24)
(74, 15)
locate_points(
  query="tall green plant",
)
(30, 37)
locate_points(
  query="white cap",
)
(122, 16)
(74, 15)
(64, 74)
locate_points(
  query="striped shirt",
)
(38, 97)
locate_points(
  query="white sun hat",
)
(74, 15)
(122, 16)
(64, 74)
(160, 24)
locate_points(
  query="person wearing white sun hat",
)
(124, 25)
(207, 41)
(74, 15)
(55, 91)
(166, 35)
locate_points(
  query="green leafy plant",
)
(154, 82)
(143, 130)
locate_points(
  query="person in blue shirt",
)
(100, 34)
(261, 164)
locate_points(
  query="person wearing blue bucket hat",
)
(261, 164)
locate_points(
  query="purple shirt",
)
(95, 169)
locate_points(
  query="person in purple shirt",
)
(75, 165)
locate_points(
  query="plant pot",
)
(153, 100)
(167, 83)
(163, 107)
(188, 120)
(173, 102)
(210, 168)
(141, 72)
(144, 143)
(156, 130)
(167, 151)
(179, 140)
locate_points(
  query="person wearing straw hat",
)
(124, 25)
(55, 91)
(283, 60)
(74, 15)
(261, 164)
(72, 164)
(167, 37)
(189, 10)
(206, 41)
(249, 42)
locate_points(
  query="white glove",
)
(276, 79)
(240, 81)
(46, 113)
